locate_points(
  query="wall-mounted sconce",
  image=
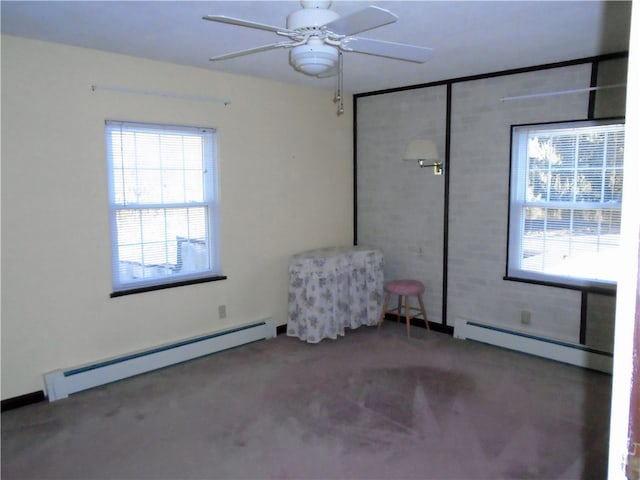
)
(425, 153)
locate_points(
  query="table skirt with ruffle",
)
(332, 289)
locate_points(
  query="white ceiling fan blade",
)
(244, 23)
(249, 51)
(360, 21)
(399, 51)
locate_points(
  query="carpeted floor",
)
(370, 405)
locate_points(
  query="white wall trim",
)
(63, 382)
(574, 354)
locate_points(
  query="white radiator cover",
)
(62, 383)
(573, 354)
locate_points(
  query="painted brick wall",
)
(479, 200)
(400, 207)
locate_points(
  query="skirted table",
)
(331, 289)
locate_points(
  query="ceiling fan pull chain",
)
(338, 97)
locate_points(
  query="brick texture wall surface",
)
(400, 207)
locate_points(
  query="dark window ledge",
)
(151, 288)
(609, 291)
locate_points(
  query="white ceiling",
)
(469, 37)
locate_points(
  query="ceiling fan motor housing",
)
(314, 57)
(315, 3)
(310, 18)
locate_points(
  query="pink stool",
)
(404, 289)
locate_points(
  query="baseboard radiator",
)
(573, 354)
(62, 383)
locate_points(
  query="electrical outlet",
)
(525, 317)
(222, 311)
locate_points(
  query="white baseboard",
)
(63, 382)
(579, 355)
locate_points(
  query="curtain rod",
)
(562, 92)
(195, 98)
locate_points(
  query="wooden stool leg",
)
(384, 309)
(407, 314)
(424, 311)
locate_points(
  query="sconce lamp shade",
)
(421, 149)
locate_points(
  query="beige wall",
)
(285, 185)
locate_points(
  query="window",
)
(163, 205)
(565, 203)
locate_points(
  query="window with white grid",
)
(163, 204)
(565, 202)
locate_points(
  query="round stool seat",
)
(404, 287)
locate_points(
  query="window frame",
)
(210, 202)
(517, 198)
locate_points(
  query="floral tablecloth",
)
(331, 289)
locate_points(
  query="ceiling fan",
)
(317, 37)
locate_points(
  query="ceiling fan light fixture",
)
(314, 59)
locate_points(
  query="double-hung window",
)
(163, 205)
(565, 203)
